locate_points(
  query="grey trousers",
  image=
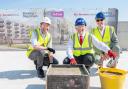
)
(40, 58)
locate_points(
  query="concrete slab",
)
(18, 72)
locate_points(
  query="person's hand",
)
(50, 55)
(104, 57)
(73, 61)
(51, 50)
(112, 54)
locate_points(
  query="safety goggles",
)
(99, 20)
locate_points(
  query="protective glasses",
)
(99, 20)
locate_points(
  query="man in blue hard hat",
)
(106, 34)
(80, 46)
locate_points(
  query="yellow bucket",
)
(112, 78)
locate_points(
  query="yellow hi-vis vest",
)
(106, 38)
(41, 41)
(86, 46)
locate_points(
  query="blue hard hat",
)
(80, 21)
(100, 15)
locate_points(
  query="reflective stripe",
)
(39, 35)
(106, 42)
(83, 48)
(106, 38)
(90, 41)
(49, 40)
(111, 31)
(73, 37)
(88, 48)
(42, 41)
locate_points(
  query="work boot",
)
(40, 73)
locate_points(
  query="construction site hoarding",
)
(15, 24)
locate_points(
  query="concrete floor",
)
(18, 72)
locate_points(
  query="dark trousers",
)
(41, 59)
(87, 60)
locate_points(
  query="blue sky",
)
(121, 5)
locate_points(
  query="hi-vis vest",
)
(106, 38)
(41, 41)
(83, 49)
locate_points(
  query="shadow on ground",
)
(94, 72)
(18, 74)
(94, 88)
(42, 86)
(36, 86)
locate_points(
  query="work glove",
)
(112, 63)
(51, 50)
(73, 61)
(112, 54)
(104, 57)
